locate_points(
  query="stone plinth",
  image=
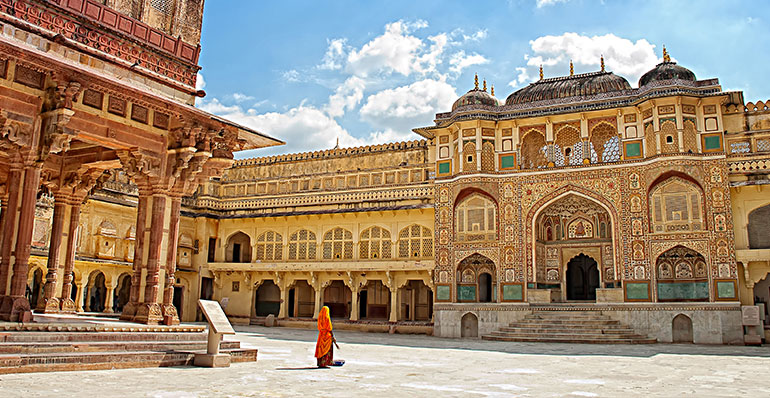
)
(212, 360)
(543, 296)
(609, 295)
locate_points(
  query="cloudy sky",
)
(317, 71)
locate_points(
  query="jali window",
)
(676, 206)
(270, 246)
(338, 244)
(302, 245)
(476, 219)
(375, 243)
(415, 241)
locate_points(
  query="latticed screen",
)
(338, 244)
(606, 143)
(533, 151)
(670, 137)
(690, 136)
(415, 241)
(676, 207)
(568, 149)
(476, 218)
(375, 243)
(270, 246)
(163, 6)
(302, 245)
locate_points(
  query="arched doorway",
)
(35, 292)
(476, 279)
(301, 300)
(582, 278)
(374, 301)
(337, 297)
(682, 275)
(97, 292)
(681, 329)
(469, 325)
(573, 247)
(416, 302)
(122, 293)
(238, 248)
(268, 299)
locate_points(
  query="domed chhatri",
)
(477, 97)
(666, 70)
(569, 86)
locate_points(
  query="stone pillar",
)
(109, 301)
(67, 305)
(9, 230)
(394, 303)
(283, 311)
(170, 316)
(129, 310)
(354, 303)
(149, 311)
(51, 303)
(80, 296)
(413, 304)
(318, 300)
(19, 310)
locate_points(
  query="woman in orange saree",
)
(324, 352)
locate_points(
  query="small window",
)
(470, 158)
(567, 151)
(669, 139)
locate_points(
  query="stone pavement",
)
(382, 365)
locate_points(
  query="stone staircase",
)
(568, 326)
(48, 348)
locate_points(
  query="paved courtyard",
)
(382, 365)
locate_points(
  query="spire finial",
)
(338, 143)
(493, 90)
(485, 85)
(476, 81)
(602, 62)
(541, 72)
(666, 57)
(571, 68)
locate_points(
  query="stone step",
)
(570, 339)
(535, 329)
(28, 363)
(553, 316)
(43, 337)
(106, 327)
(109, 346)
(567, 322)
(595, 335)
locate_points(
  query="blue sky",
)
(364, 72)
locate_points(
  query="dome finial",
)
(666, 57)
(476, 81)
(493, 90)
(485, 85)
(541, 72)
(571, 68)
(602, 62)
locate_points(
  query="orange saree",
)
(324, 352)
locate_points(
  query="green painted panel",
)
(513, 293)
(633, 149)
(443, 168)
(712, 142)
(726, 290)
(683, 291)
(530, 285)
(466, 293)
(443, 293)
(507, 162)
(637, 291)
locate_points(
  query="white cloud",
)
(303, 128)
(400, 109)
(346, 97)
(544, 3)
(240, 97)
(394, 51)
(460, 61)
(622, 56)
(335, 54)
(292, 76)
(522, 78)
(200, 83)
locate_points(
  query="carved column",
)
(109, 301)
(354, 302)
(394, 303)
(67, 305)
(51, 303)
(149, 311)
(80, 296)
(170, 316)
(9, 230)
(318, 300)
(129, 310)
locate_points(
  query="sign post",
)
(218, 326)
(753, 324)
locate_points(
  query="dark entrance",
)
(236, 252)
(582, 278)
(178, 300)
(485, 288)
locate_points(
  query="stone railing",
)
(748, 143)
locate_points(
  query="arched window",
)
(476, 219)
(567, 149)
(533, 150)
(669, 137)
(375, 243)
(415, 241)
(302, 245)
(676, 206)
(605, 144)
(270, 246)
(759, 228)
(487, 156)
(338, 244)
